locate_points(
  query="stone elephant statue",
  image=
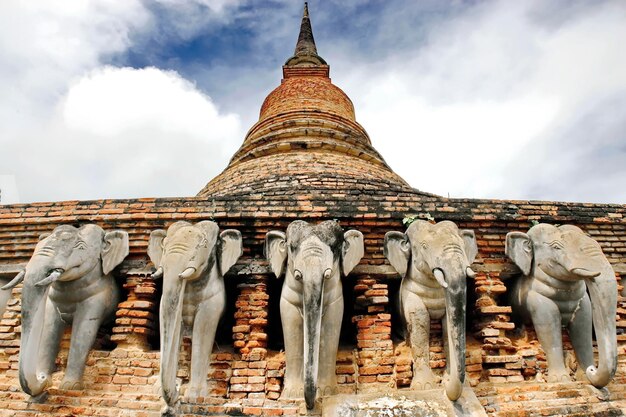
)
(559, 265)
(66, 281)
(313, 258)
(191, 260)
(434, 262)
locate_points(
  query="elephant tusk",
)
(52, 276)
(585, 273)
(187, 273)
(440, 277)
(18, 278)
(470, 273)
(328, 273)
(158, 274)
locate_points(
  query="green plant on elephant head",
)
(313, 258)
(434, 262)
(559, 265)
(192, 260)
(66, 281)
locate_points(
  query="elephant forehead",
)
(446, 225)
(58, 240)
(441, 236)
(447, 234)
(576, 237)
(328, 232)
(544, 232)
(58, 243)
(548, 236)
(187, 241)
(91, 237)
(186, 232)
(312, 246)
(62, 235)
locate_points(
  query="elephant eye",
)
(80, 245)
(297, 275)
(556, 245)
(424, 245)
(328, 273)
(204, 242)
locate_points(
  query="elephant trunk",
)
(603, 293)
(170, 317)
(34, 298)
(312, 306)
(456, 300)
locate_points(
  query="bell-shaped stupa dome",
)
(307, 140)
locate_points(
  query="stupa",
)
(307, 138)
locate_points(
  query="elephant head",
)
(67, 254)
(443, 252)
(313, 258)
(187, 253)
(568, 254)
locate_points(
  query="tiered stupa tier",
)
(307, 139)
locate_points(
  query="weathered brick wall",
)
(247, 371)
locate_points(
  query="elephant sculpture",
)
(559, 265)
(191, 260)
(434, 262)
(313, 258)
(67, 281)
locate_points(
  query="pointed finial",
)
(306, 52)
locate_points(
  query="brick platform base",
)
(125, 383)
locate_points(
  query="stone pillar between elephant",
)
(375, 353)
(220, 372)
(249, 375)
(135, 321)
(501, 363)
(10, 328)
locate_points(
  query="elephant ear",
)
(231, 249)
(352, 250)
(471, 248)
(397, 250)
(114, 250)
(155, 246)
(276, 251)
(519, 249)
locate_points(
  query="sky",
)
(467, 99)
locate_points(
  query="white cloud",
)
(110, 101)
(123, 132)
(441, 148)
(45, 44)
(8, 190)
(71, 128)
(216, 6)
(488, 91)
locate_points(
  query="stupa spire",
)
(306, 51)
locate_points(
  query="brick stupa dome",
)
(307, 140)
